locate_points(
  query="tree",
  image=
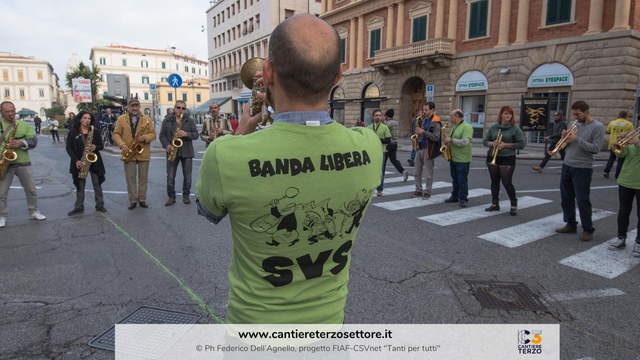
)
(56, 110)
(85, 72)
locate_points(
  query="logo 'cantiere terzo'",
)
(530, 342)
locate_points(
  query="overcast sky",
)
(54, 30)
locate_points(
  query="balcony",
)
(230, 71)
(430, 51)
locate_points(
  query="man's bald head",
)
(305, 53)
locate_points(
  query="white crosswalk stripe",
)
(418, 202)
(397, 180)
(411, 188)
(477, 212)
(531, 231)
(601, 261)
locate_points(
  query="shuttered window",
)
(558, 11)
(419, 29)
(343, 49)
(374, 44)
(478, 19)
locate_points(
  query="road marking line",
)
(20, 187)
(411, 188)
(534, 230)
(603, 262)
(124, 192)
(158, 158)
(477, 212)
(586, 294)
(418, 202)
(558, 189)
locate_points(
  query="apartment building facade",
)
(239, 30)
(145, 67)
(28, 82)
(480, 55)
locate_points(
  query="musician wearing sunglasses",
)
(137, 167)
(577, 169)
(503, 139)
(185, 153)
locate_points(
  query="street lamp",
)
(193, 83)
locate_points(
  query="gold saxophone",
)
(88, 157)
(415, 138)
(8, 155)
(135, 146)
(175, 142)
(445, 149)
(215, 129)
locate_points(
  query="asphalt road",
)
(65, 280)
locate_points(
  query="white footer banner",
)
(350, 341)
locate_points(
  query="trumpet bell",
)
(249, 69)
(177, 143)
(10, 155)
(92, 157)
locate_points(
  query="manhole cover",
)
(505, 296)
(144, 341)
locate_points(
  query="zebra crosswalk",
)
(597, 260)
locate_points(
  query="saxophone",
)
(215, 129)
(88, 157)
(175, 142)
(8, 155)
(445, 149)
(415, 139)
(135, 146)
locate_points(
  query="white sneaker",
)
(406, 175)
(37, 216)
(3, 222)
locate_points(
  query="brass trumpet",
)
(620, 145)
(249, 79)
(563, 141)
(495, 148)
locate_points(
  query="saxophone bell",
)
(10, 155)
(177, 143)
(92, 157)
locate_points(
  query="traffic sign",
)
(429, 93)
(152, 87)
(175, 81)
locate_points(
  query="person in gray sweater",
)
(577, 170)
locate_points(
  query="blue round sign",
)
(174, 80)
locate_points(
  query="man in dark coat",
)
(78, 136)
(109, 120)
(559, 125)
(37, 121)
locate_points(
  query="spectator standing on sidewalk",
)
(614, 128)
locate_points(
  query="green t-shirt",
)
(295, 196)
(461, 154)
(630, 172)
(24, 132)
(382, 131)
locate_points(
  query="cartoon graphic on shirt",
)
(318, 219)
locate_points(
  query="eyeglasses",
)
(180, 108)
(556, 115)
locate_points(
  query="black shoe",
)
(493, 207)
(606, 175)
(463, 204)
(143, 204)
(132, 206)
(451, 200)
(101, 209)
(411, 163)
(513, 211)
(75, 212)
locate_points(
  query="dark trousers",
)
(575, 186)
(37, 128)
(626, 196)
(97, 189)
(172, 169)
(547, 156)
(612, 158)
(459, 176)
(54, 134)
(392, 150)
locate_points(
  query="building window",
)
(258, 22)
(193, 70)
(7, 94)
(169, 96)
(41, 93)
(146, 96)
(145, 79)
(163, 79)
(124, 62)
(164, 65)
(288, 13)
(20, 76)
(558, 11)
(205, 73)
(21, 94)
(184, 97)
(374, 41)
(186, 69)
(177, 68)
(5, 75)
(343, 50)
(233, 9)
(103, 61)
(105, 93)
(419, 29)
(144, 63)
(39, 75)
(198, 97)
(245, 4)
(251, 25)
(478, 19)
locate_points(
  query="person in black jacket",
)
(78, 135)
(109, 120)
(38, 122)
(188, 132)
(558, 127)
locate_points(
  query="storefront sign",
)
(245, 94)
(472, 81)
(534, 114)
(550, 75)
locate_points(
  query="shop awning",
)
(549, 75)
(472, 81)
(26, 111)
(225, 106)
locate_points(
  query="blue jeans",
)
(384, 165)
(459, 175)
(575, 184)
(413, 155)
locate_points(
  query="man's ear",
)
(338, 77)
(268, 73)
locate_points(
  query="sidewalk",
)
(531, 152)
